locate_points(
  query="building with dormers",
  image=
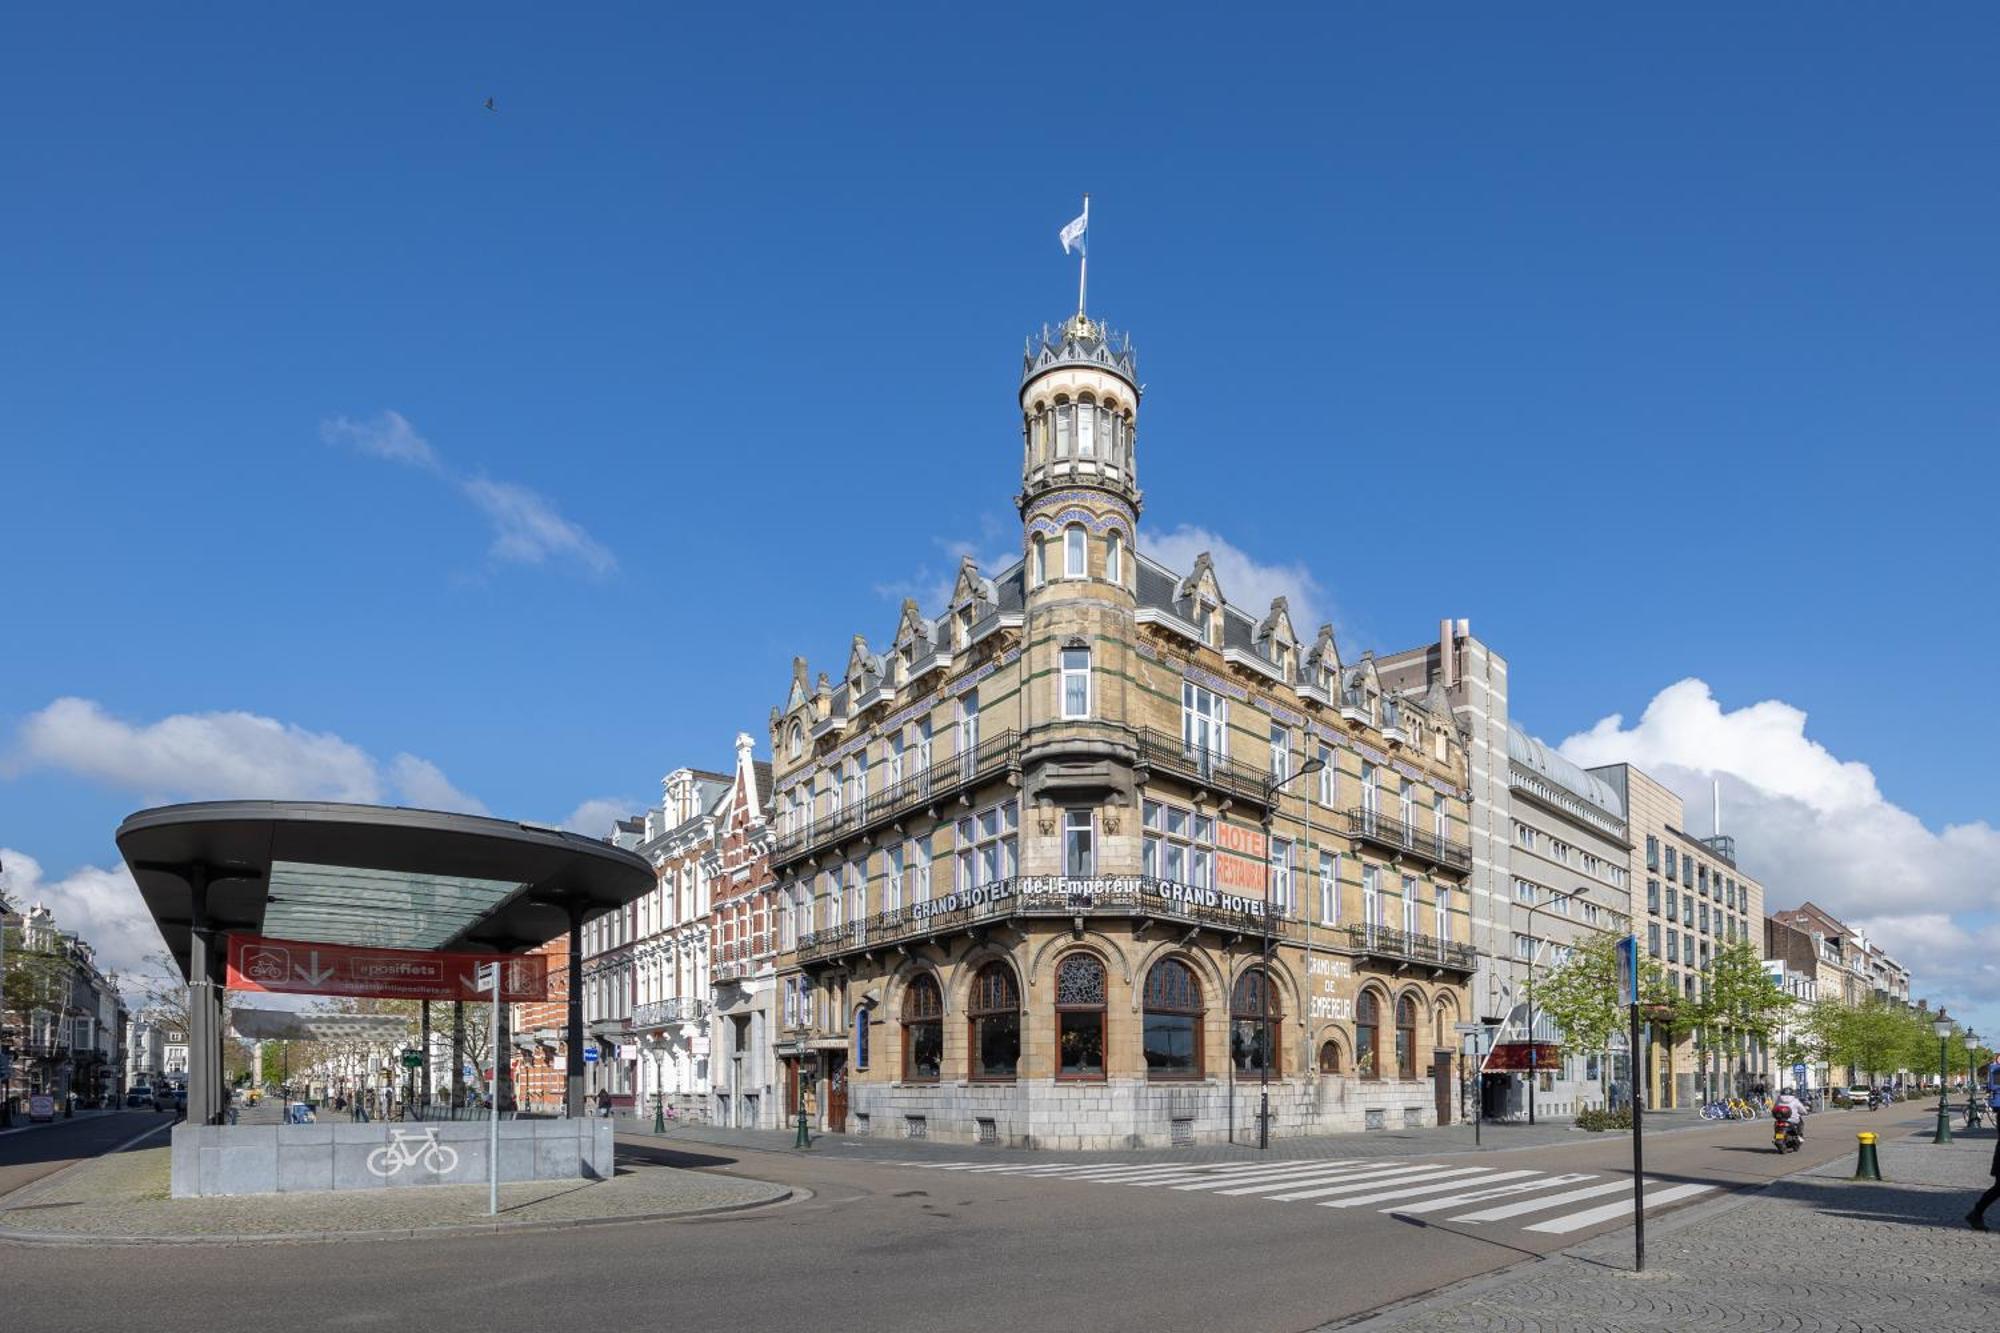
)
(1093, 857)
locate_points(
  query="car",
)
(139, 1095)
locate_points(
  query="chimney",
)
(1447, 659)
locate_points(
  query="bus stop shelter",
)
(358, 878)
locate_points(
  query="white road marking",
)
(1481, 1195)
(1323, 1177)
(1589, 1217)
(1405, 1178)
(1537, 1205)
(1236, 1171)
(1418, 1190)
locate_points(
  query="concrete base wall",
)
(280, 1159)
(1132, 1114)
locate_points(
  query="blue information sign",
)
(590, 1055)
(1628, 970)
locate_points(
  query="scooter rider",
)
(1797, 1109)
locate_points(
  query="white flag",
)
(1073, 235)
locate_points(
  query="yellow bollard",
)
(1866, 1167)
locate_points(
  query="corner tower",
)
(1079, 461)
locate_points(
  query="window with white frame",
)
(1524, 947)
(892, 883)
(1039, 565)
(1441, 912)
(986, 846)
(921, 854)
(1178, 846)
(1075, 682)
(1409, 905)
(1076, 549)
(1327, 773)
(1440, 815)
(895, 759)
(1281, 752)
(1370, 790)
(1329, 888)
(1371, 895)
(1283, 898)
(1114, 559)
(1525, 892)
(1204, 721)
(1079, 844)
(1086, 427)
(830, 892)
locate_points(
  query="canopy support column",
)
(457, 1053)
(573, 1059)
(208, 955)
(424, 1086)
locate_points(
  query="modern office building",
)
(1551, 863)
(1092, 856)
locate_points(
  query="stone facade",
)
(1030, 856)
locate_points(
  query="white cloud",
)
(101, 906)
(198, 756)
(389, 436)
(596, 815)
(932, 585)
(1247, 582)
(527, 528)
(1811, 825)
(423, 784)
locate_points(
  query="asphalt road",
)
(929, 1247)
(34, 1152)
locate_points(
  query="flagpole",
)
(1083, 268)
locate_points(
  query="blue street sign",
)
(1628, 970)
(1799, 1077)
(590, 1055)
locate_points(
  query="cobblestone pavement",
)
(1812, 1251)
(1452, 1139)
(124, 1197)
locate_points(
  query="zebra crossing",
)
(1519, 1197)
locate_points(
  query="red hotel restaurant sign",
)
(302, 967)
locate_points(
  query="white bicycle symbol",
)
(411, 1149)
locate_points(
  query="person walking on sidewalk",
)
(604, 1103)
(1976, 1219)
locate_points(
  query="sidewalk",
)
(122, 1199)
(1452, 1139)
(1812, 1251)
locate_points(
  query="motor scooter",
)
(1786, 1134)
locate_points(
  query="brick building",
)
(1032, 854)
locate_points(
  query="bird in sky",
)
(490, 106)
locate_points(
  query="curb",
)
(62, 1238)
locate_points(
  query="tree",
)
(1581, 995)
(1739, 998)
(1671, 1015)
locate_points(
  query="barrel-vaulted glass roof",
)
(1525, 749)
(387, 909)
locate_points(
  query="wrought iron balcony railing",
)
(659, 1013)
(1050, 896)
(943, 778)
(1168, 753)
(1409, 946)
(1384, 831)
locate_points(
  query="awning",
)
(1522, 1057)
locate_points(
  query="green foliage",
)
(1597, 1120)
(1581, 995)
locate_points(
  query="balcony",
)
(944, 778)
(665, 1013)
(1047, 897)
(1372, 826)
(1405, 946)
(1166, 752)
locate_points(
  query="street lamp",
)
(1534, 1060)
(1942, 1026)
(1272, 788)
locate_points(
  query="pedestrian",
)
(1976, 1219)
(604, 1102)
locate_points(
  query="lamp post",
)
(1942, 1026)
(1534, 1054)
(1271, 788)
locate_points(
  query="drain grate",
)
(916, 1127)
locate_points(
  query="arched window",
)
(1255, 1021)
(1040, 565)
(923, 1031)
(994, 1012)
(1329, 1057)
(1173, 1021)
(1406, 1038)
(1367, 1036)
(1065, 427)
(1080, 1017)
(1074, 548)
(797, 741)
(1086, 426)
(1114, 559)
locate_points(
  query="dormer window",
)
(1074, 549)
(1211, 626)
(964, 626)
(797, 741)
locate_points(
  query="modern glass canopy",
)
(386, 909)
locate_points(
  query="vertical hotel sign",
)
(1241, 854)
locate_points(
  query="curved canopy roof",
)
(1525, 749)
(369, 875)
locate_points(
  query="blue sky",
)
(1658, 345)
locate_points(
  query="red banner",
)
(303, 968)
(1516, 1057)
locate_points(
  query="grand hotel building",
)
(1096, 858)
